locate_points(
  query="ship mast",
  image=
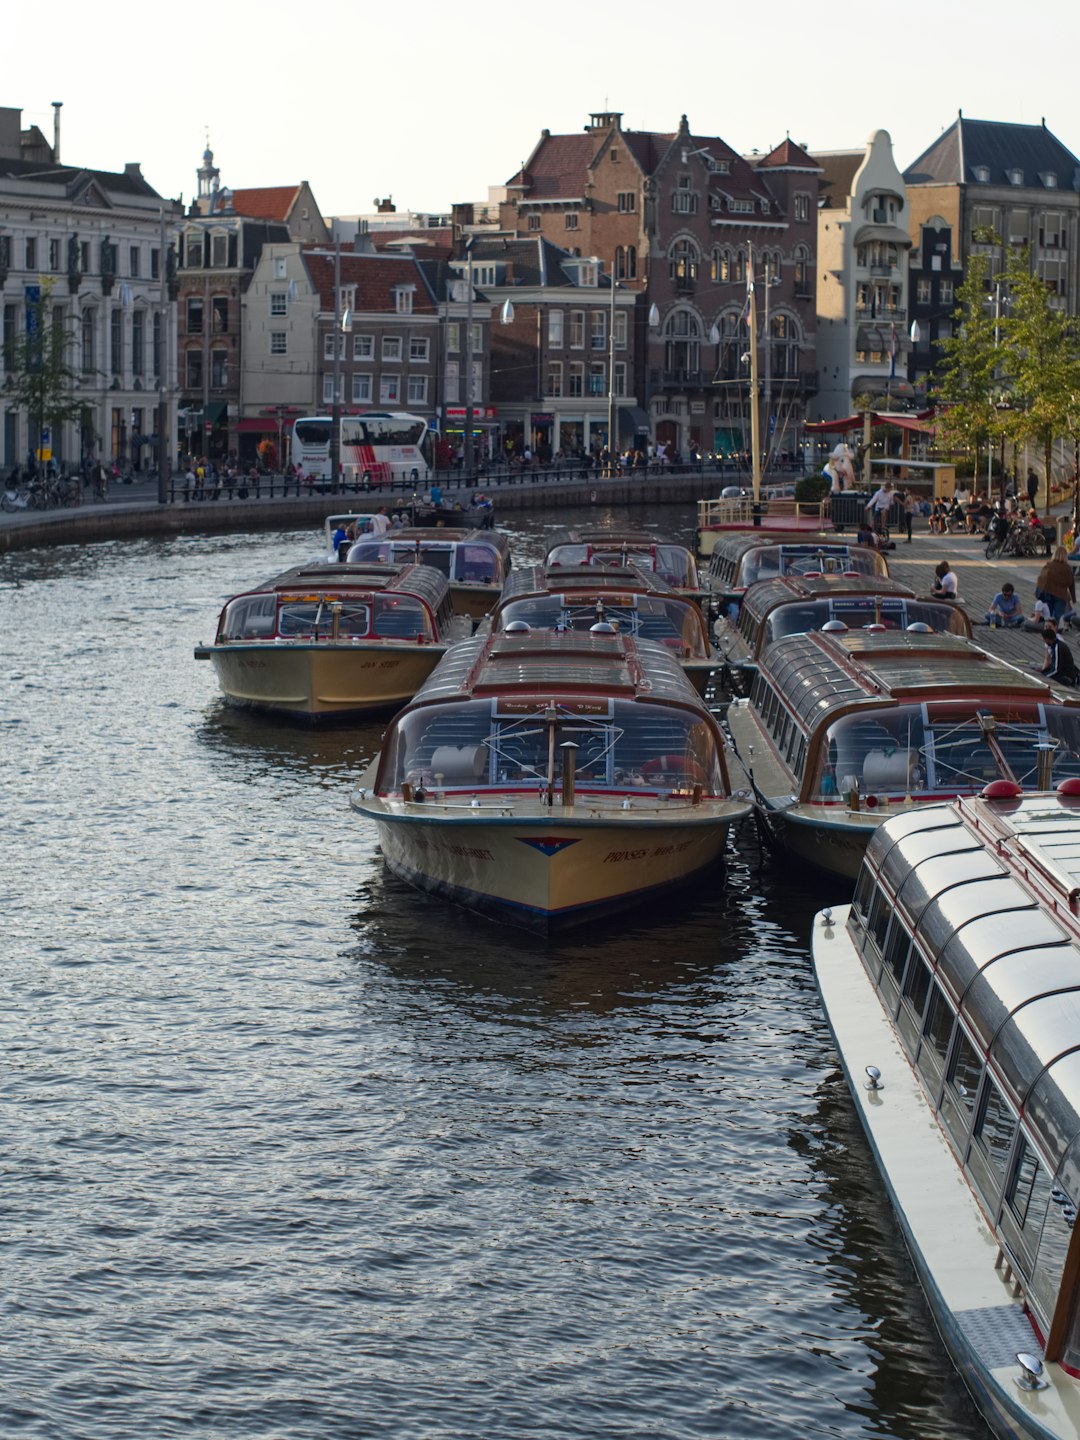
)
(755, 418)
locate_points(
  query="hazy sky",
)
(435, 103)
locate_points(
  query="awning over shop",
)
(632, 421)
(255, 426)
(855, 422)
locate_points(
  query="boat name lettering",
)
(616, 857)
(469, 852)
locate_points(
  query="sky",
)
(433, 104)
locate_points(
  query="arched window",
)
(625, 262)
(784, 348)
(732, 345)
(682, 345)
(740, 267)
(683, 261)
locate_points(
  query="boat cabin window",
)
(864, 893)
(368, 550)
(250, 617)
(477, 564)
(627, 747)
(961, 1086)
(913, 1001)
(399, 617)
(1027, 1200)
(993, 1136)
(895, 958)
(937, 1032)
(878, 923)
(644, 616)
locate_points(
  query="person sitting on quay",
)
(1056, 585)
(1005, 608)
(945, 583)
(1058, 664)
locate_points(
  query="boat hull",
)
(322, 681)
(546, 870)
(978, 1316)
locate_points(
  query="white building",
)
(91, 243)
(862, 282)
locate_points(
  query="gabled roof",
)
(788, 156)
(270, 203)
(530, 260)
(999, 146)
(71, 179)
(375, 277)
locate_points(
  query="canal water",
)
(288, 1150)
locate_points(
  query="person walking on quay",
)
(1056, 585)
(1032, 485)
(945, 582)
(907, 511)
(1058, 664)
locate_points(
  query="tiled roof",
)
(271, 203)
(374, 276)
(557, 167)
(1000, 146)
(789, 156)
(838, 171)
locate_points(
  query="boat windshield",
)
(776, 560)
(516, 745)
(324, 617)
(649, 617)
(672, 563)
(895, 613)
(904, 751)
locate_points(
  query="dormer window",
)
(587, 273)
(1016, 177)
(403, 299)
(1049, 179)
(982, 174)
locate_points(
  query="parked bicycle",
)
(1020, 540)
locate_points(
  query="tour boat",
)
(546, 778)
(361, 524)
(597, 546)
(842, 729)
(952, 988)
(796, 604)
(636, 602)
(333, 641)
(739, 512)
(476, 562)
(739, 561)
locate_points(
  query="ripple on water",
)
(290, 1151)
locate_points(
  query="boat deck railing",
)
(737, 510)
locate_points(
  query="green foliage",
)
(42, 382)
(811, 488)
(1009, 372)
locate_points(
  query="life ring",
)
(677, 764)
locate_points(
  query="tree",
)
(965, 382)
(1041, 361)
(42, 382)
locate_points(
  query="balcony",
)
(680, 379)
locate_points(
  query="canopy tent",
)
(844, 426)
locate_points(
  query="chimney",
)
(57, 106)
